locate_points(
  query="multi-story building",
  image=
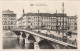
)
(8, 19)
(72, 22)
(49, 21)
(29, 20)
(19, 23)
(43, 20)
(59, 20)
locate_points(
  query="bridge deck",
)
(48, 38)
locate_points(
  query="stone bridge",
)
(41, 41)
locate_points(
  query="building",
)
(47, 21)
(29, 20)
(42, 20)
(19, 23)
(8, 19)
(72, 22)
(59, 20)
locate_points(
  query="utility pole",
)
(63, 35)
(22, 22)
(63, 20)
(38, 20)
(22, 19)
(56, 22)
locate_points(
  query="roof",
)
(19, 19)
(46, 14)
(7, 12)
(60, 15)
(72, 17)
(43, 15)
(38, 14)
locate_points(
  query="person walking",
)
(49, 33)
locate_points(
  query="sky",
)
(71, 8)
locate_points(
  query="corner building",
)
(8, 19)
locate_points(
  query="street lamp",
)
(63, 20)
(57, 26)
(38, 21)
(56, 22)
(22, 22)
(64, 37)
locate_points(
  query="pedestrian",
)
(49, 33)
(58, 31)
(75, 42)
(46, 33)
(53, 36)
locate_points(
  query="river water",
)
(10, 41)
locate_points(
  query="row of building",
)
(47, 21)
(38, 20)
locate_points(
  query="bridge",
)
(39, 39)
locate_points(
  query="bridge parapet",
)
(38, 37)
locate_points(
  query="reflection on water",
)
(9, 43)
(16, 43)
(31, 46)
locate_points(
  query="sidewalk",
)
(52, 33)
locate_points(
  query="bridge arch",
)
(45, 44)
(31, 38)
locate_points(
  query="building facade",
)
(72, 22)
(8, 20)
(44, 20)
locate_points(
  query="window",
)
(9, 18)
(12, 15)
(5, 18)
(60, 23)
(3, 22)
(5, 27)
(8, 22)
(14, 22)
(34, 17)
(29, 18)
(29, 21)
(11, 22)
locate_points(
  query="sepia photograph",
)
(39, 24)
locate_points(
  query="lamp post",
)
(63, 35)
(68, 24)
(38, 21)
(22, 22)
(63, 22)
(56, 22)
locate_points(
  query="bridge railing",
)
(61, 39)
(58, 38)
